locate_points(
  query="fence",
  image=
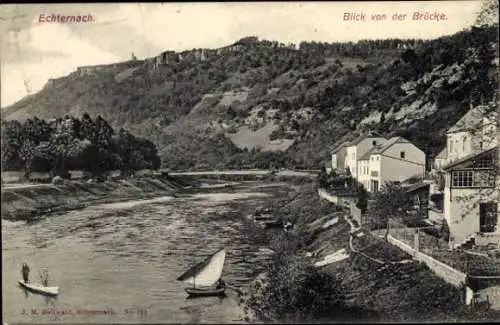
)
(423, 237)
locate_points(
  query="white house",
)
(471, 197)
(395, 161)
(358, 147)
(471, 192)
(338, 157)
(441, 159)
(364, 168)
(473, 133)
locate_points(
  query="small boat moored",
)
(204, 275)
(50, 291)
(205, 292)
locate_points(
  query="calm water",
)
(124, 258)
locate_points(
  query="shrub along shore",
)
(363, 287)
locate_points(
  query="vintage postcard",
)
(250, 162)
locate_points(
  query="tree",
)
(26, 155)
(11, 136)
(488, 15)
(322, 178)
(362, 203)
(390, 201)
(137, 161)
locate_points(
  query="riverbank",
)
(29, 203)
(379, 281)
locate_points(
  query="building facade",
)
(358, 148)
(471, 191)
(396, 160)
(475, 132)
(471, 198)
(338, 158)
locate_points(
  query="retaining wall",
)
(444, 271)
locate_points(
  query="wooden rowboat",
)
(49, 291)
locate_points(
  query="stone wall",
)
(444, 271)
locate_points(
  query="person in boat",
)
(25, 270)
(221, 284)
(45, 278)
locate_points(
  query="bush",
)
(295, 292)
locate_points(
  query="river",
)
(118, 262)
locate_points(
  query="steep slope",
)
(227, 107)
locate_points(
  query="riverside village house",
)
(396, 160)
(358, 147)
(471, 190)
(374, 160)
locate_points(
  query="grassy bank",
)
(368, 287)
(28, 203)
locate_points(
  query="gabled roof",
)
(367, 155)
(339, 147)
(469, 158)
(415, 187)
(471, 120)
(392, 141)
(443, 154)
(365, 135)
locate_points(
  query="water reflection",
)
(50, 301)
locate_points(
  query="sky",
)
(31, 51)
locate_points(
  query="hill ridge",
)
(315, 95)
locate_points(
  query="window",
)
(374, 142)
(462, 179)
(469, 178)
(378, 157)
(485, 162)
(484, 178)
(450, 146)
(402, 154)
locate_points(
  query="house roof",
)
(415, 187)
(468, 158)
(392, 141)
(472, 119)
(367, 155)
(443, 154)
(339, 147)
(365, 135)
